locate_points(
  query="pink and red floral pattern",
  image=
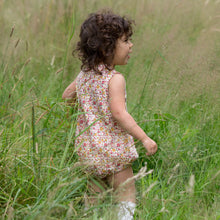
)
(101, 142)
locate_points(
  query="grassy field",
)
(173, 93)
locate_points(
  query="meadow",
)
(173, 93)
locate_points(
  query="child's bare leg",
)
(95, 188)
(125, 191)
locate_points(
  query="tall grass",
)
(173, 92)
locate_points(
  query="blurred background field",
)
(173, 92)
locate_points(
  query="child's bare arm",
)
(118, 109)
(70, 92)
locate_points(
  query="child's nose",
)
(131, 44)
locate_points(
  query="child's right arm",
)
(118, 109)
(70, 92)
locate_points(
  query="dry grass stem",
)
(163, 210)
(59, 70)
(70, 211)
(20, 78)
(41, 116)
(36, 148)
(52, 60)
(10, 213)
(216, 175)
(142, 173)
(149, 188)
(2, 131)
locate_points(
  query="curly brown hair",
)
(98, 36)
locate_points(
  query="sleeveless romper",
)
(101, 143)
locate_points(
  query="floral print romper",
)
(101, 142)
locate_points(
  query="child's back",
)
(105, 146)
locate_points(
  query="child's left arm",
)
(120, 114)
(70, 92)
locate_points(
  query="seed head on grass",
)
(173, 171)
(17, 42)
(52, 60)
(27, 61)
(12, 30)
(190, 186)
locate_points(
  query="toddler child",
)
(105, 130)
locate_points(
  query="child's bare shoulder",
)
(117, 80)
(117, 75)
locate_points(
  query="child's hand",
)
(150, 146)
